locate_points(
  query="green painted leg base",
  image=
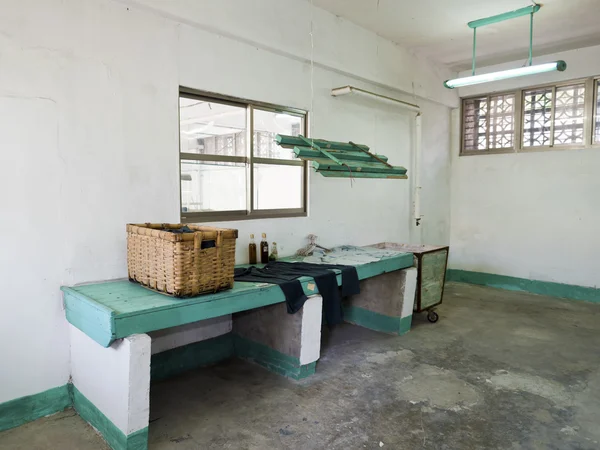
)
(376, 321)
(192, 356)
(405, 324)
(273, 360)
(32, 407)
(115, 438)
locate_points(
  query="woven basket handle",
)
(219, 251)
(198, 237)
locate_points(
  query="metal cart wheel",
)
(432, 316)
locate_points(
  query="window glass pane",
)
(267, 125)
(537, 117)
(278, 187)
(569, 113)
(212, 186)
(212, 128)
(475, 124)
(597, 123)
(501, 118)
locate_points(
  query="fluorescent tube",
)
(503, 75)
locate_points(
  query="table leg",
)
(385, 302)
(111, 387)
(287, 344)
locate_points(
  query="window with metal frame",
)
(554, 115)
(488, 123)
(564, 115)
(231, 167)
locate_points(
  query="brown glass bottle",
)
(264, 249)
(252, 250)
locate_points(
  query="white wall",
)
(89, 132)
(530, 215)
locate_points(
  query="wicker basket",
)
(181, 264)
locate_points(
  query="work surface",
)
(116, 309)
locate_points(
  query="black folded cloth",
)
(286, 274)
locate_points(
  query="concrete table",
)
(123, 334)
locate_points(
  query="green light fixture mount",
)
(529, 69)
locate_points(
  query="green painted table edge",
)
(104, 324)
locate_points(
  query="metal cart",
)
(431, 262)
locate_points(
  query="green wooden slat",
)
(339, 174)
(293, 141)
(324, 151)
(358, 166)
(307, 153)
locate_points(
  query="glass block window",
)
(501, 118)
(475, 124)
(537, 117)
(488, 123)
(561, 116)
(569, 114)
(554, 116)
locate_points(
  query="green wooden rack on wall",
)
(341, 159)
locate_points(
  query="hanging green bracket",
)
(504, 16)
(528, 10)
(325, 152)
(341, 159)
(528, 69)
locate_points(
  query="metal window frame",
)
(249, 160)
(586, 138)
(488, 150)
(595, 81)
(522, 148)
(591, 96)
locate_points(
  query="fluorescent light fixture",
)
(505, 74)
(345, 90)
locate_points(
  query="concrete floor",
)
(500, 370)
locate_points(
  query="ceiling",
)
(438, 28)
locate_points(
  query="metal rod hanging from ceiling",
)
(531, 39)
(474, 46)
